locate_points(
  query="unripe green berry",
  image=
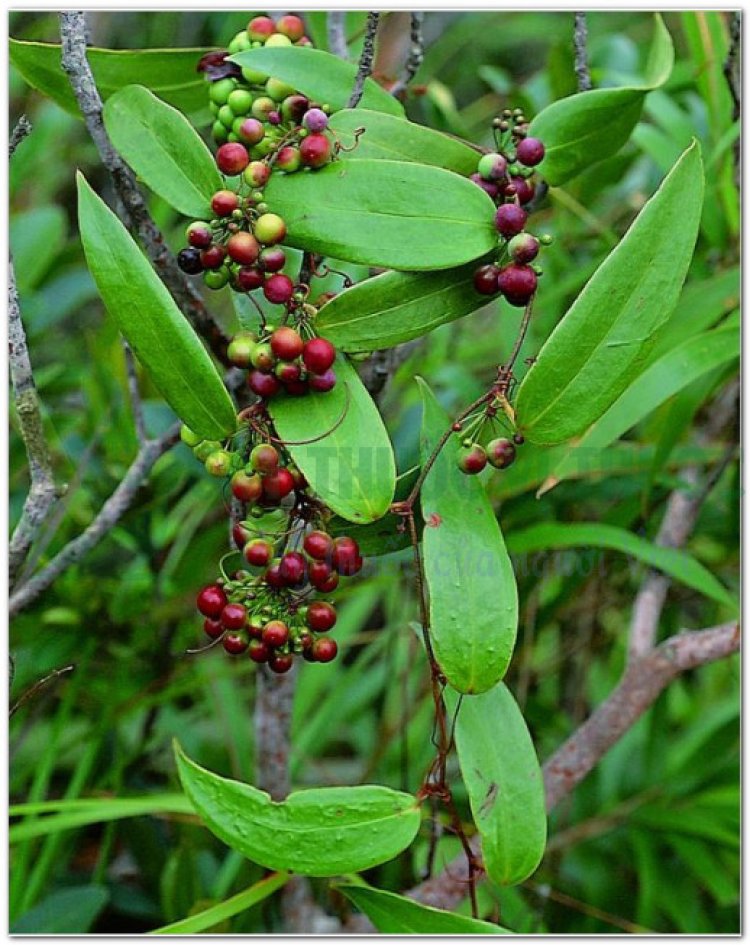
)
(219, 463)
(278, 39)
(240, 101)
(269, 228)
(278, 90)
(219, 132)
(203, 450)
(262, 106)
(226, 116)
(253, 76)
(220, 91)
(188, 437)
(216, 278)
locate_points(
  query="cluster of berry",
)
(500, 453)
(262, 125)
(507, 176)
(282, 360)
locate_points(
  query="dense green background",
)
(650, 840)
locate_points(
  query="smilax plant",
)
(314, 166)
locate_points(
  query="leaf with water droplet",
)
(316, 832)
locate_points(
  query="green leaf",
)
(391, 138)
(69, 911)
(32, 256)
(319, 75)
(164, 150)
(68, 814)
(222, 911)
(350, 464)
(472, 589)
(663, 379)
(392, 914)
(394, 307)
(582, 129)
(676, 563)
(506, 789)
(148, 317)
(170, 73)
(385, 213)
(316, 832)
(600, 345)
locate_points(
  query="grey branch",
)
(364, 69)
(382, 365)
(42, 491)
(336, 26)
(132, 205)
(580, 37)
(416, 53)
(638, 689)
(683, 509)
(109, 514)
(21, 130)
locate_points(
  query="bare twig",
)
(110, 513)
(336, 26)
(683, 509)
(416, 54)
(580, 37)
(38, 686)
(21, 130)
(42, 491)
(136, 404)
(133, 207)
(733, 75)
(639, 688)
(365, 60)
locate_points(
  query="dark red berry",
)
(264, 385)
(322, 577)
(248, 279)
(235, 643)
(277, 485)
(211, 600)
(487, 185)
(519, 439)
(224, 203)
(280, 662)
(232, 158)
(293, 568)
(485, 279)
(510, 219)
(213, 257)
(275, 633)
(319, 545)
(288, 372)
(286, 343)
(315, 150)
(243, 248)
(530, 151)
(272, 259)
(246, 488)
(324, 650)
(234, 616)
(501, 452)
(318, 355)
(199, 235)
(322, 382)
(346, 557)
(273, 577)
(241, 535)
(213, 628)
(472, 459)
(321, 616)
(517, 283)
(294, 107)
(258, 552)
(278, 289)
(525, 189)
(189, 260)
(258, 651)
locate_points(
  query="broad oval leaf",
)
(350, 464)
(472, 589)
(678, 564)
(505, 785)
(390, 138)
(600, 345)
(582, 129)
(316, 832)
(662, 379)
(170, 73)
(394, 307)
(164, 150)
(148, 317)
(392, 914)
(319, 75)
(385, 213)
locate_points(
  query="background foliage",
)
(650, 839)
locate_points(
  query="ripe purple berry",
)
(322, 383)
(278, 289)
(487, 186)
(189, 260)
(485, 279)
(530, 152)
(315, 150)
(510, 220)
(232, 158)
(315, 120)
(517, 283)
